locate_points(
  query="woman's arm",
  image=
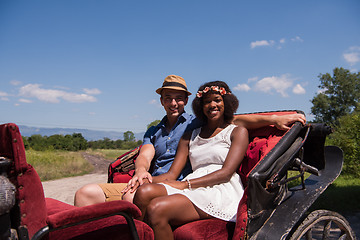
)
(282, 122)
(180, 160)
(239, 144)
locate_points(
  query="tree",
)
(347, 137)
(79, 142)
(153, 123)
(339, 96)
(37, 142)
(26, 142)
(129, 136)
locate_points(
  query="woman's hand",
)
(176, 184)
(283, 122)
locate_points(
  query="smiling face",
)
(213, 106)
(174, 102)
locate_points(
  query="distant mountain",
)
(90, 135)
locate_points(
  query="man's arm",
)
(282, 122)
(142, 166)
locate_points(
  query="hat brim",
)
(158, 91)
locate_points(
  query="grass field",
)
(58, 164)
(342, 196)
(110, 154)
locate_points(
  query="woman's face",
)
(213, 107)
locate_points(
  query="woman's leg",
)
(145, 193)
(173, 210)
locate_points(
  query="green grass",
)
(58, 164)
(109, 154)
(343, 195)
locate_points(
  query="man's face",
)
(174, 101)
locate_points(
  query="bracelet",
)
(189, 184)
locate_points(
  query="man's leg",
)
(98, 193)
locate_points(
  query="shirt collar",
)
(182, 118)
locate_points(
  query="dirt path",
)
(64, 189)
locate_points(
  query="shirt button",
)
(168, 150)
(169, 138)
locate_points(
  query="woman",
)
(215, 151)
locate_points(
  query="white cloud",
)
(53, 96)
(242, 87)
(352, 55)
(321, 90)
(271, 43)
(277, 84)
(298, 89)
(4, 96)
(15, 82)
(297, 39)
(253, 79)
(261, 43)
(155, 102)
(93, 91)
(23, 100)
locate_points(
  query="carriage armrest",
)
(78, 214)
(301, 200)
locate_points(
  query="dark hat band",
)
(174, 84)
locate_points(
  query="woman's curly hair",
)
(231, 102)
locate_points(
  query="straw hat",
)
(174, 82)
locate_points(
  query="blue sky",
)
(96, 64)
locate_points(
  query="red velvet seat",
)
(34, 217)
(262, 143)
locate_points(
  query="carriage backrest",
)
(29, 213)
(264, 143)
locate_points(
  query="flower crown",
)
(221, 90)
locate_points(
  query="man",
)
(160, 143)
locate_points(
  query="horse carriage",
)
(272, 207)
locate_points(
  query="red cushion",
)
(122, 177)
(209, 229)
(54, 206)
(110, 229)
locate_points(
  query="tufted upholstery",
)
(33, 212)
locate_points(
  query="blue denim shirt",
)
(165, 143)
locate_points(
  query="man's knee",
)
(88, 195)
(128, 196)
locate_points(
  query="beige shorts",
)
(112, 191)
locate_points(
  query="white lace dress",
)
(206, 156)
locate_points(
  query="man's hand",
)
(283, 122)
(138, 180)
